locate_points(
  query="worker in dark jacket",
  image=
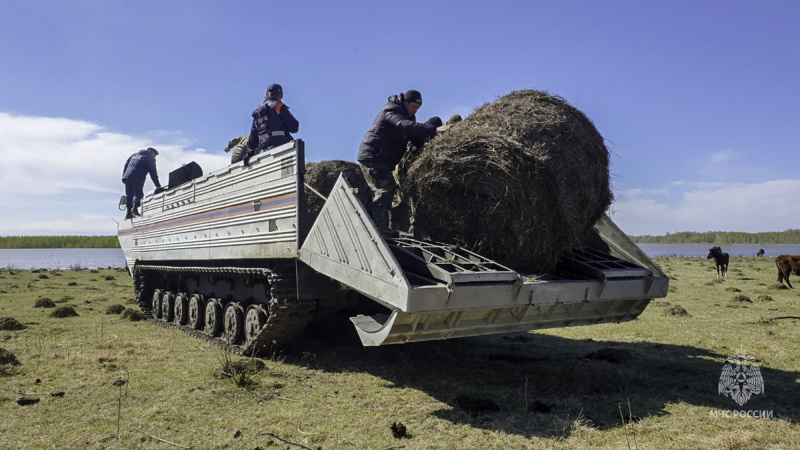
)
(384, 146)
(272, 123)
(134, 174)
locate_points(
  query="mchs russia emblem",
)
(740, 379)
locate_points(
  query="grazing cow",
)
(786, 265)
(721, 259)
(760, 252)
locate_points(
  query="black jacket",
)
(386, 140)
(138, 166)
(272, 125)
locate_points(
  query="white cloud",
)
(63, 176)
(750, 207)
(721, 156)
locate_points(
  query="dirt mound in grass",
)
(115, 309)
(134, 315)
(675, 311)
(44, 302)
(741, 299)
(8, 363)
(7, 358)
(10, 324)
(64, 311)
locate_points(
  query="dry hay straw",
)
(520, 181)
(322, 176)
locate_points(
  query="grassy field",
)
(100, 380)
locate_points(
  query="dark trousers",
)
(380, 180)
(134, 192)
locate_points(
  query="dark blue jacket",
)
(272, 123)
(386, 140)
(138, 166)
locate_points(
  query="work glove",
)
(247, 156)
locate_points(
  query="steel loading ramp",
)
(436, 291)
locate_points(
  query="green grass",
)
(659, 372)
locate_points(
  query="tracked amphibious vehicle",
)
(231, 257)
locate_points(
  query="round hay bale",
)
(10, 324)
(520, 181)
(322, 176)
(64, 311)
(44, 302)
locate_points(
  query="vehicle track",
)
(286, 315)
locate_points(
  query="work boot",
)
(136, 212)
(128, 215)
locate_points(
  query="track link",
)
(287, 315)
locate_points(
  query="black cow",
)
(721, 259)
(760, 252)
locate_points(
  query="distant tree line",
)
(791, 236)
(58, 242)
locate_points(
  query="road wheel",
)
(181, 309)
(168, 306)
(156, 305)
(253, 323)
(234, 323)
(213, 317)
(197, 312)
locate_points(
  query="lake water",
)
(735, 250)
(61, 258)
(92, 258)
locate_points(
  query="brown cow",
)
(760, 252)
(786, 265)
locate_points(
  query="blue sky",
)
(698, 100)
